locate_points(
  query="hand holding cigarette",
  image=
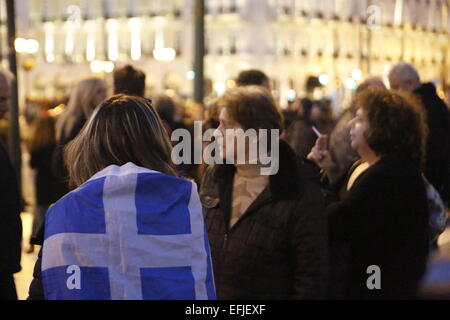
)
(319, 153)
(317, 132)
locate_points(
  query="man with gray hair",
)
(10, 208)
(404, 76)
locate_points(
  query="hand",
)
(320, 155)
(320, 145)
(322, 142)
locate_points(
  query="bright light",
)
(33, 46)
(398, 13)
(111, 24)
(50, 57)
(231, 84)
(57, 110)
(113, 52)
(102, 66)
(20, 45)
(113, 44)
(135, 26)
(70, 41)
(108, 66)
(350, 83)
(159, 38)
(357, 74)
(26, 45)
(49, 29)
(220, 87)
(135, 46)
(97, 66)
(164, 54)
(190, 75)
(90, 47)
(291, 95)
(134, 23)
(324, 79)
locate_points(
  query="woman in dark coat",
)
(384, 217)
(267, 233)
(48, 188)
(10, 227)
(84, 98)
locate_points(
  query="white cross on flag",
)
(128, 233)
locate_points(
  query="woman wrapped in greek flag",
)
(131, 229)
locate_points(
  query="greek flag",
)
(128, 233)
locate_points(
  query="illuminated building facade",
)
(338, 42)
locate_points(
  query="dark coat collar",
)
(426, 89)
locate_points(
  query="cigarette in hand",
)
(317, 132)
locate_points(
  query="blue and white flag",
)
(128, 233)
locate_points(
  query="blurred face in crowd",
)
(398, 83)
(316, 113)
(100, 93)
(240, 143)
(5, 94)
(226, 123)
(359, 125)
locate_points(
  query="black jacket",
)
(10, 225)
(278, 248)
(59, 169)
(36, 290)
(384, 219)
(438, 145)
(48, 188)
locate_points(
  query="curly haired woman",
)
(383, 217)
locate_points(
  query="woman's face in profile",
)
(225, 131)
(358, 126)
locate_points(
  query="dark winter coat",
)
(384, 220)
(278, 248)
(438, 145)
(11, 225)
(36, 290)
(58, 167)
(48, 188)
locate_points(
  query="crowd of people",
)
(363, 191)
